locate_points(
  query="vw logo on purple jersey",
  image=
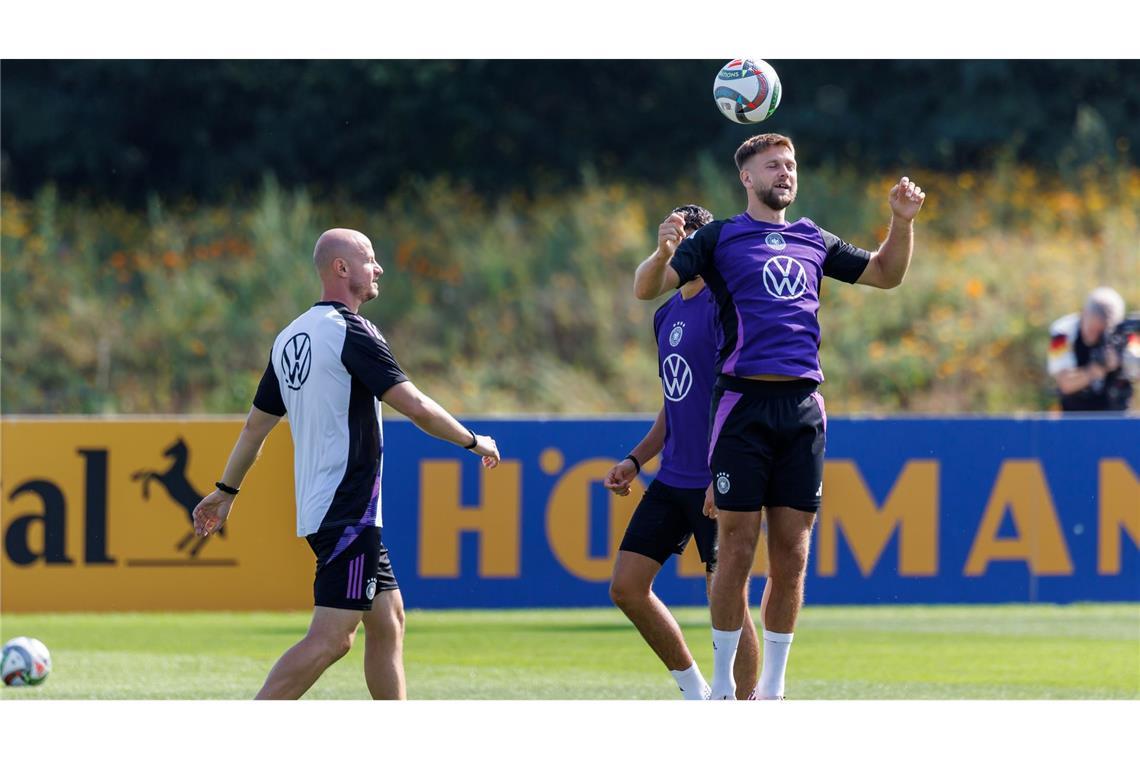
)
(784, 278)
(676, 377)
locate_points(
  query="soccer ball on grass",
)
(26, 662)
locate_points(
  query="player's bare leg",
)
(746, 669)
(737, 534)
(789, 537)
(329, 638)
(632, 591)
(764, 599)
(384, 646)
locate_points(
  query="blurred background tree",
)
(124, 130)
(157, 218)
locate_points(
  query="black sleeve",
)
(367, 357)
(658, 318)
(844, 261)
(268, 397)
(694, 255)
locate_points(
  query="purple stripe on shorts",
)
(822, 409)
(356, 576)
(730, 362)
(356, 573)
(360, 578)
(354, 569)
(723, 409)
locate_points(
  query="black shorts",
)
(352, 567)
(664, 521)
(767, 443)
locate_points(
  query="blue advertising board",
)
(915, 510)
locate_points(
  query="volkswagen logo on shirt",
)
(784, 277)
(296, 360)
(676, 377)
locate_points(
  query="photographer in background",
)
(1094, 356)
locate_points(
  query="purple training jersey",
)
(686, 353)
(765, 279)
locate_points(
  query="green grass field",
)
(960, 652)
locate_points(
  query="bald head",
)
(339, 244)
(347, 266)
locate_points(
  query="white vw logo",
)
(784, 277)
(676, 377)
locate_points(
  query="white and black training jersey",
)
(327, 371)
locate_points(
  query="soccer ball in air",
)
(747, 90)
(26, 662)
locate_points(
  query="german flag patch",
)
(1058, 344)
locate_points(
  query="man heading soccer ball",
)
(768, 432)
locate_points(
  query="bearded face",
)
(773, 177)
(777, 196)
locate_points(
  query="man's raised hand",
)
(670, 234)
(906, 199)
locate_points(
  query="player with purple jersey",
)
(768, 421)
(672, 510)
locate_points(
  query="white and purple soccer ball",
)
(25, 662)
(747, 90)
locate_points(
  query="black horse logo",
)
(180, 490)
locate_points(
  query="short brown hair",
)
(759, 144)
(695, 216)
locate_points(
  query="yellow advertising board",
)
(96, 516)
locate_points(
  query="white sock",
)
(776, 648)
(724, 656)
(691, 682)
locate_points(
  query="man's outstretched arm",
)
(212, 511)
(434, 420)
(654, 276)
(889, 264)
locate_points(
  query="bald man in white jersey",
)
(328, 371)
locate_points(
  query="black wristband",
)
(226, 489)
(474, 440)
(636, 463)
